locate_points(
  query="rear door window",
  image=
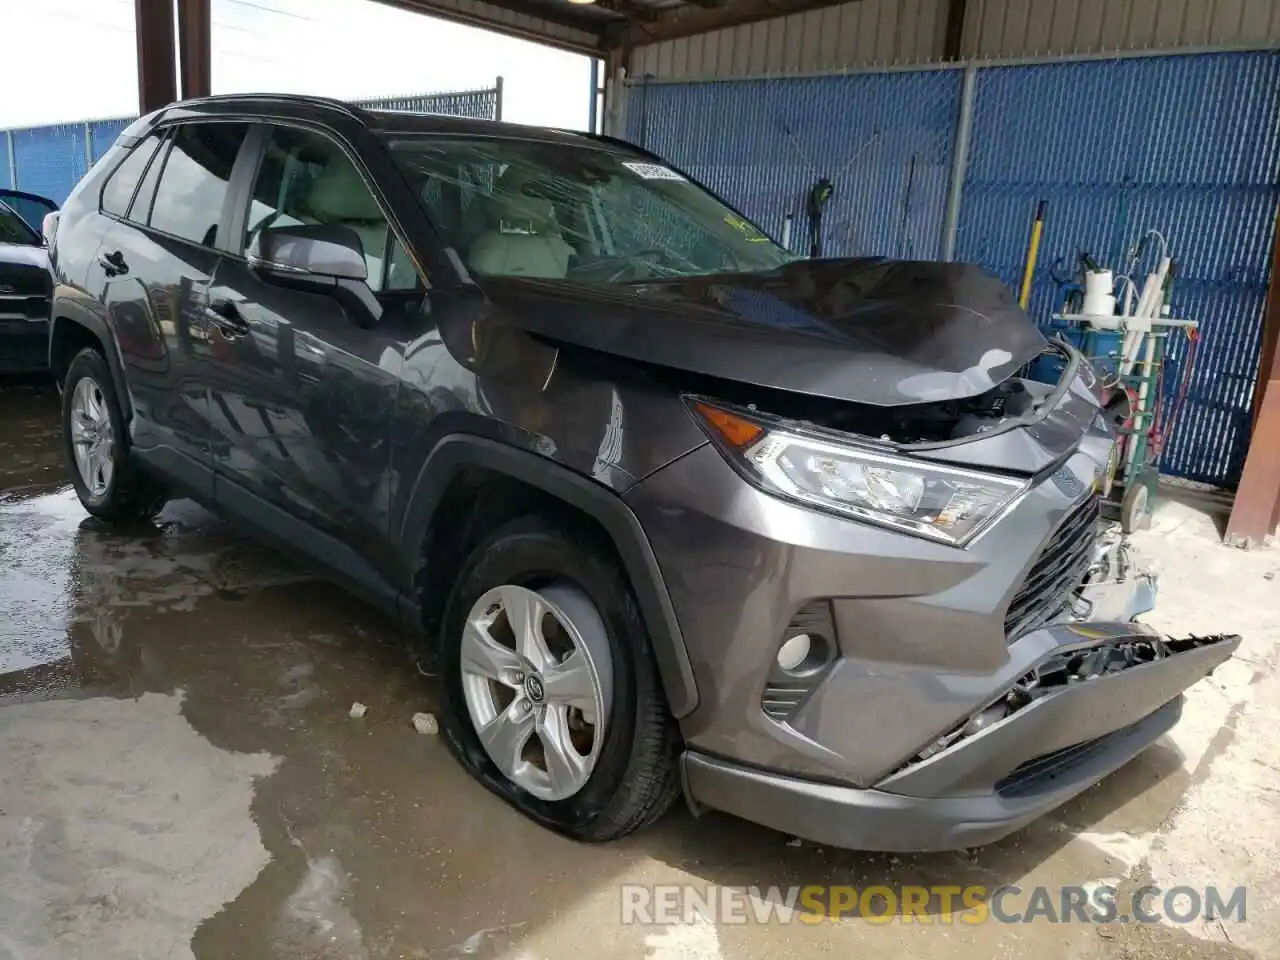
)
(192, 190)
(123, 181)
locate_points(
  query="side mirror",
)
(323, 251)
(318, 258)
(49, 228)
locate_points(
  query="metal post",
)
(497, 100)
(954, 37)
(959, 162)
(1254, 512)
(593, 105)
(195, 26)
(13, 161)
(88, 146)
(157, 82)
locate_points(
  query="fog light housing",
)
(805, 654)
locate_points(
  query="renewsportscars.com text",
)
(937, 904)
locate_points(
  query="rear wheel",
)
(108, 483)
(551, 695)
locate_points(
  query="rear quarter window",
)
(123, 181)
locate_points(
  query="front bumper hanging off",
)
(1100, 691)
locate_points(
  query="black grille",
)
(1057, 573)
(22, 280)
(781, 699)
(24, 292)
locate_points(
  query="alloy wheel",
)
(92, 438)
(536, 677)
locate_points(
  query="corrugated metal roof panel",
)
(1018, 28)
(847, 35)
(863, 33)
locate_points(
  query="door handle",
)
(113, 263)
(226, 316)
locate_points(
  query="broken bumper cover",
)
(1100, 693)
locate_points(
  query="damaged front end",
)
(1101, 685)
(922, 521)
(1097, 637)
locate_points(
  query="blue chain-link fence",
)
(50, 160)
(884, 139)
(1186, 144)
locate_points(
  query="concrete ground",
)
(181, 777)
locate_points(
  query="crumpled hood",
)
(869, 331)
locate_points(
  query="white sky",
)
(81, 58)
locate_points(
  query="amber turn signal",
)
(737, 431)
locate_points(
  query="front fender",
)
(458, 451)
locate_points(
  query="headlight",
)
(941, 503)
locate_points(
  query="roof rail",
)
(330, 103)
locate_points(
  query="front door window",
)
(306, 178)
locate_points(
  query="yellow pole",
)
(1032, 252)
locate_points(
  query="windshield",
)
(590, 213)
(13, 229)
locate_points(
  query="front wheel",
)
(107, 481)
(551, 694)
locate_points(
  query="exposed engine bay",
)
(942, 420)
(1012, 401)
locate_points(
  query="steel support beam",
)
(614, 121)
(959, 163)
(1257, 505)
(954, 37)
(734, 14)
(157, 80)
(465, 11)
(195, 28)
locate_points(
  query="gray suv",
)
(671, 509)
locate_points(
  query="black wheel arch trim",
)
(68, 312)
(457, 451)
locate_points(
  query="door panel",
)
(301, 401)
(302, 409)
(156, 290)
(158, 261)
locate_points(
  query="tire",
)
(1135, 508)
(635, 777)
(126, 494)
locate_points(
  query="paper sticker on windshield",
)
(753, 234)
(652, 171)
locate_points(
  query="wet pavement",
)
(181, 777)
